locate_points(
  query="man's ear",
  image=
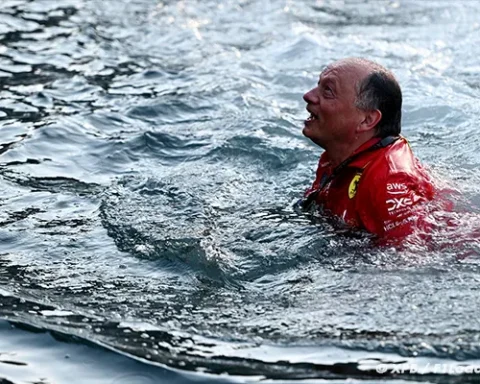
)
(370, 120)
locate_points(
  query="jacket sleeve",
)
(395, 207)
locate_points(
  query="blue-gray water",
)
(150, 154)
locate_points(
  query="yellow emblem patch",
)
(352, 188)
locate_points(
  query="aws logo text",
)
(396, 188)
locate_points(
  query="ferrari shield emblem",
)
(352, 188)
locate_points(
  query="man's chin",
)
(310, 134)
(308, 131)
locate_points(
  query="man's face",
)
(333, 114)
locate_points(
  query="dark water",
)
(150, 155)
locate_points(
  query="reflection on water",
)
(151, 152)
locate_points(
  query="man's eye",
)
(328, 91)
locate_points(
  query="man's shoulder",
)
(395, 169)
(395, 184)
(395, 161)
(400, 159)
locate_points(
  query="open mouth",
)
(312, 117)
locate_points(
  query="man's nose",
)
(311, 97)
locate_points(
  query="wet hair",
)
(380, 90)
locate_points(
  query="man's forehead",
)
(327, 70)
(345, 69)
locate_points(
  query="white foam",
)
(56, 313)
(5, 293)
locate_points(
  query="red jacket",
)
(381, 190)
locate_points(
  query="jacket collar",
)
(360, 162)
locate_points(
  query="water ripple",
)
(151, 153)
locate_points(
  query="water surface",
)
(151, 152)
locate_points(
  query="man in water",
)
(368, 175)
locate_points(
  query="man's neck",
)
(342, 151)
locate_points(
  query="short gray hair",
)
(380, 90)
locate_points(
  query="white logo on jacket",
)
(389, 224)
(397, 188)
(401, 203)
